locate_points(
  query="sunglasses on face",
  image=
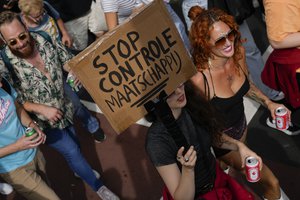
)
(36, 17)
(23, 36)
(221, 41)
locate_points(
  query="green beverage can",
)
(29, 132)
(71, 82)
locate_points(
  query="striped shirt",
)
(122, 7)
(149, 1)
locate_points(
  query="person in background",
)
(9, 5)
(80, 17)
(253, 55)
(190, 171)
(5, 189)
(282, 69)
(222, 78)
(117, 11)
(262, 8)
(97, 23)
(20, 159)
(38, 79)
(38, 15)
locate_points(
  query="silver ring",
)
(186, 159)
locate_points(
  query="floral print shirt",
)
(34, 87)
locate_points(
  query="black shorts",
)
(236, 132)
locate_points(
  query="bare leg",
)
(268, 181)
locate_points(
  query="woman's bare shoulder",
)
(198, 80)
(198, 77)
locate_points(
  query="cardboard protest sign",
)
(132, 64)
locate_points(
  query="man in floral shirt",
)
(38, 77)
(33, 76)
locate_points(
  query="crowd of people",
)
(207, 112)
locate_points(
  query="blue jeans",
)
(89, 122)
(254, 61)
(67, 144)
(180, 27)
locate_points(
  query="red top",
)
(280, 73)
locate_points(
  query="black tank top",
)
(231, 108)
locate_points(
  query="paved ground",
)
(125, 168)
(121, 160)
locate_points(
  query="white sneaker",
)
(5, 188)
(95, 172)
(292, 130)
(226, 171)
(279, 96)
(105, 194)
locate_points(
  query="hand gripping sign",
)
(132, 64)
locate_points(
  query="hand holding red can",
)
(252, 169)
(282, 118)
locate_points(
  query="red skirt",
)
(225, 188)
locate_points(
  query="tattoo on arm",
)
(255, 94)
(226, 142)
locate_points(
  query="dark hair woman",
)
(193, 174)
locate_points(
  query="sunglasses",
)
(221, 41)
(23, 36)
(37, 17)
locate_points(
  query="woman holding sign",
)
(189, 169)
(223, 78)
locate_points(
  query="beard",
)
(25, 52)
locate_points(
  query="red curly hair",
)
(201, 28)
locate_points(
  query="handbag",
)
(239, 9)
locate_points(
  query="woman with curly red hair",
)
(223, 78)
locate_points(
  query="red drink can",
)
(282, 119)
(252, 169)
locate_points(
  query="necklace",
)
(210, 65)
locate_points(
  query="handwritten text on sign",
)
(159, 61)
(132, 64)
